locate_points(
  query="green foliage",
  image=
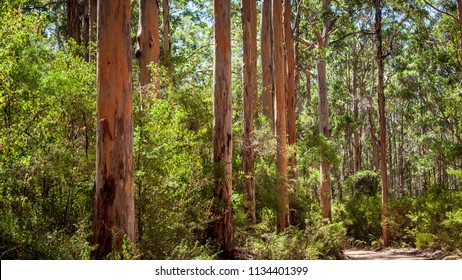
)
(436, 222)
(363, 216)
(318, 240)
(364, 182)
(46, 143)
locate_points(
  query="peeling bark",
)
(267, 95)
(114, 209)
(290, 89)
(222, 133)
(282, 193)
(148, 49)
(249, 28)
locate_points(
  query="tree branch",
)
(442, 11)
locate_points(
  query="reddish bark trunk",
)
(383, 128)
(148, 49)
(282, 186)
(222, 136)
(249, 28)
(290, 89)
(114, 209)
(267, 95)
(73, 21)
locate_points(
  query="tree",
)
(222, 133)
(93, 12)
(148, 49)
(324, 129)
(114, 209)
(290, 87)
(382, 122)
(73, 20)
(267, 95)
(249, 88)
(166, 41)
(282, 185)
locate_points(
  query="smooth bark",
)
(290, 88)
(267, 96)
(382, 122)
(249, 88)
(148, 49)
(114, 209)
(323, 108)
(282, 193)
(73, 20)
(222, 137)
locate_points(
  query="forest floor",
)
(395, 254)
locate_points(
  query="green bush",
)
(365, 182)
(319, 239)
(363, 216)
(436, 221)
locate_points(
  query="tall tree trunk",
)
(459, 16)
(148, 49)
(93, 6)
(86, 28)
(370, 113)
(308, 88)
(73, 20)
(114, 209)
(356, 132)
(222, 137)
(323, 106)
(166, 41)
(290, 88)
(382, 122)
(267, 95)
(282, 186)
(325, 188)
(249, 28)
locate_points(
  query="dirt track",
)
(391, 254)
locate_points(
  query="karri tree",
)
(148, 49)
(249, 88)
(282, 193)
(382, 122)
(114, 208)
(266, 38)
(290, 87)
(222, 227)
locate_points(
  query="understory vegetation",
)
(47, 150)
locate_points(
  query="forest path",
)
(391, 254)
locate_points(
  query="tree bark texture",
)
(282, 193)
(249, 28)
(73, 20)
(290, 88)
(114, 209)
(267, 95)
(382, 122)
(148, 49)
(323, 108)
(222, 133)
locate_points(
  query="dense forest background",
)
(48, 95)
